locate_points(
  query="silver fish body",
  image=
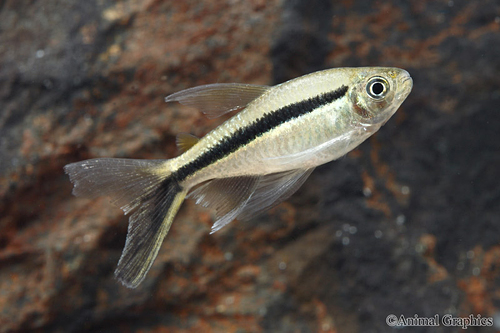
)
(336, 125)
(251, 162)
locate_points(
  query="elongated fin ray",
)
(227, 196)
(147, 228)
(140, 185)
(185, 141)
(217, 99)
(272, 190)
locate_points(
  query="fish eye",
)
(377, 87)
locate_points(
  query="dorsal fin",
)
(217, 99)
(185, 141)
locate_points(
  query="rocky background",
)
(408, 223)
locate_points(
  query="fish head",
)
(377, 93)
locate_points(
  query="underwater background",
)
(407, 224)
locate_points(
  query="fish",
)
(250, 163)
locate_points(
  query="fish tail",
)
(145, 187)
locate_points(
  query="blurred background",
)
(408, 223)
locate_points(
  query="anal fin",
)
(272, 190)
(246, 197)
(227, 196)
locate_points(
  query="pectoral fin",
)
(304, 156)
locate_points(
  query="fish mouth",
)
(406, 83)
(408, 78)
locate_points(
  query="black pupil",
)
(377, 88)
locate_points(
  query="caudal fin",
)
(142, 186)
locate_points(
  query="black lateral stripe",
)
(260, 126)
